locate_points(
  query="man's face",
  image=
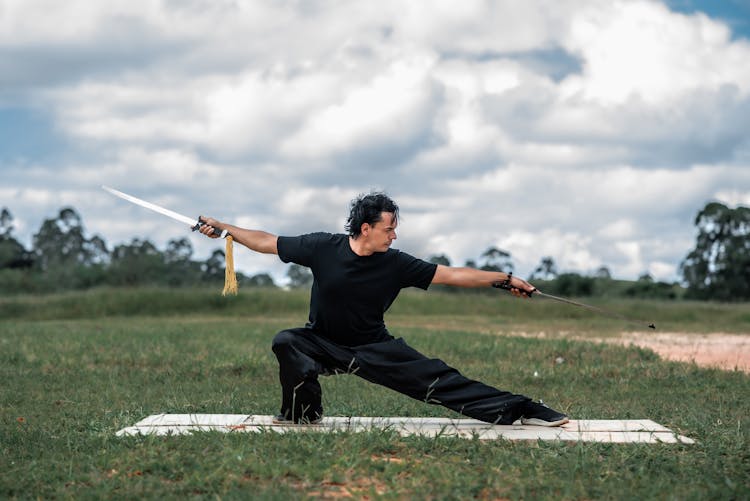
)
(381, 234)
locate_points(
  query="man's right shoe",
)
(539, 414)
(282, 419)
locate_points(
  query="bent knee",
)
(282, 341)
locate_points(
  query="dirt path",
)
(726, 351)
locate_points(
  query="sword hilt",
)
(505, 285)
(217, 231)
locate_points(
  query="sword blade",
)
(192, 222)
(595, 308)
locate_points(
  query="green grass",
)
(72, 377)
(489, 309)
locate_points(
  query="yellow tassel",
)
(230, 278)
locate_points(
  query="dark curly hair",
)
(367, 209)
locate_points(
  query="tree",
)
(260, 280)
(213, 267)
(96, 251)
(65, 256)
(299, 276)
(12, 253)
(646, 287)
(572, 284)
(139, 262)
(546, 270)
(719, 266)
(60, 243)
(603, 273)
(496, 260)
(6, 223)
(178, 251)
(440, 259)
(179, 268)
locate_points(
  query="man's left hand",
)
(520, 287)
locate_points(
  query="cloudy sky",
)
(589, 131)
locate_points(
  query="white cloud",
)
(391, 111)
(318, 206)
(634, 261)
(579, 130)
(252, 114)
(734, 197)
(640, 48)
(624, 218)
(662, 271)
(479, 27)
(619, 229)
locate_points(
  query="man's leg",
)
(396, 365)
(301, 359)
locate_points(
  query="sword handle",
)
(505, 285)
(217, 231)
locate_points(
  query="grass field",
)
(77, 367)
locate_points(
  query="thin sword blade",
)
(595, 308)
(148, 205)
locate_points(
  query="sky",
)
(591, 132)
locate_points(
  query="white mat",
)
(619, 431)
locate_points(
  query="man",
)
(356, 278)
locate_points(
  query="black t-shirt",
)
(350, 293)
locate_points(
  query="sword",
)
(506, 285)
(194, 225)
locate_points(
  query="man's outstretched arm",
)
(259, 241)
(471, 277)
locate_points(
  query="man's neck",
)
(359, 248)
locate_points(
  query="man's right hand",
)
(208, 226)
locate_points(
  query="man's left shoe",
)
(539, 414)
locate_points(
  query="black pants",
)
(303, 356)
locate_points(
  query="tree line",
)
(62, 257)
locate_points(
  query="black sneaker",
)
(282, 419)
(538, 414)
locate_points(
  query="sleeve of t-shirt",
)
(415, 272)
(299, 249)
